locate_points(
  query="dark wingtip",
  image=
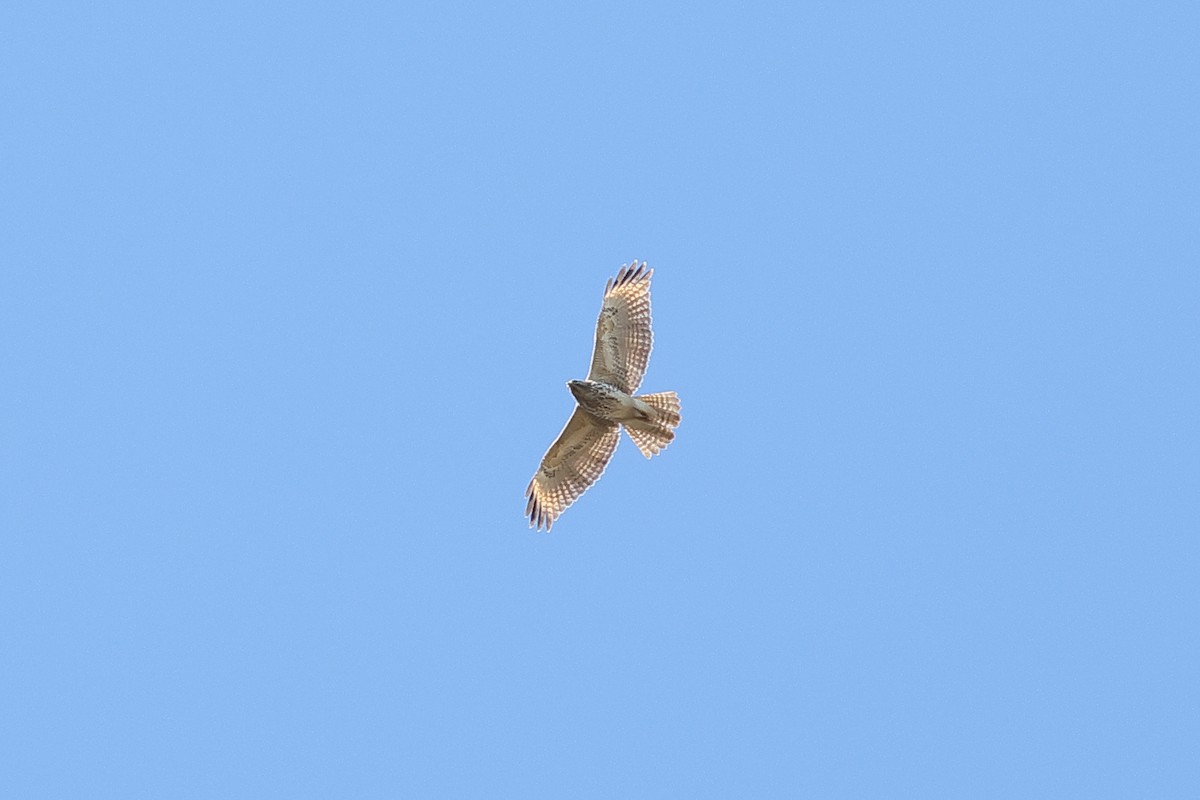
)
(629, 273)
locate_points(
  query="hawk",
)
(605, 402)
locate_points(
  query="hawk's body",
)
(606, 402)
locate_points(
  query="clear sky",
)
(289, 294)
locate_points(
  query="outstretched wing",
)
(623, 336)
(573, 463)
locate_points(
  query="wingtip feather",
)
(628, 274)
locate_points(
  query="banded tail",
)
(653, 435)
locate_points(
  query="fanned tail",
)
(652, 436)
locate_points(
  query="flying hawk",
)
(605, 400)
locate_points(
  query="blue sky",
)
(290, 293)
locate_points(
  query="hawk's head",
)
(581, 389)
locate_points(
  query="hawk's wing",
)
(623, 336)
(573, 463)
